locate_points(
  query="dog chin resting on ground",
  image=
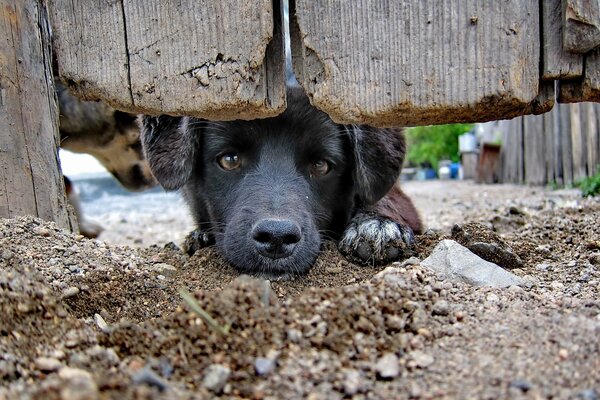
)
(266, 192)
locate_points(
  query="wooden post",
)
(30, 182)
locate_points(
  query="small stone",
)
(410, 261)
(563, 354)
(441, 307)
(47, 364)
(333, 269)
(516, 289)
(557, 285)
(215, 377)
(263, 365)
(7, 254)
(520, 384)
(423, 360)
(163, 269)
(542, 267)
(294, 335)
(387, 367)
(70, 292)
(101, 323)
(78, 385)
(353, 382)
(148, 377)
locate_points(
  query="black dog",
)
(266, 191)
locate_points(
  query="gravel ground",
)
(87, 319)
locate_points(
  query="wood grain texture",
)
(557, 63)
(578, 142)
(30, 183)
(216, 60)
(581, 25)
(535, 150)
(414, 62)
(586, 88)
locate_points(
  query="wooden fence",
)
(561, 146)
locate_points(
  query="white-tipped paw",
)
(373, 239)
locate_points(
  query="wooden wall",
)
(562, 146)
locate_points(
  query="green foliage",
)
(590, 186)
(434, 143)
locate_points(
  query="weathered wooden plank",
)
(597, 113)
(590, 128)
(30, 182)
(216, 60)
(534, 149)
(578, 137)
(557, 146)
(566, 146)
(548, 133)
(586, 88)
(581, 21)
(512, 148)
(556, 62)
(411, 62)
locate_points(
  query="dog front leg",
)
(383, 232)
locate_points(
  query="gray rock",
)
(387, 366)
(454, 261)
(47, 364)
(78, 385)
(263, 365)
(423, 360)
(441, 307)
(353, 382)
(216, 377)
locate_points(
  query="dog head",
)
(109, 135)
(268, 189)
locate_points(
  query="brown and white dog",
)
(111, 136)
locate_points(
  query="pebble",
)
(150, 378)
(294, 335)
(215, 377)
(334, 269)
(101, 323)
(263, 365)
(353, 382)
(441, 307)
(163, 269)
(557, 285)
(47, 364)
(78, 385)
(423, 360)
(542, 267)
(520, 384)
(7, 254)
(70, 292)
(387, 367)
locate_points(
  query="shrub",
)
(430, 144)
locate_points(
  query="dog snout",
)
(276, 238)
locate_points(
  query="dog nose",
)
(276, 238)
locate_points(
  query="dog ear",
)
(378, 158)
(170, 147)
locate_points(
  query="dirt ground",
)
(99, 319)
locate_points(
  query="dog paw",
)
(373, 239)
(196, 240)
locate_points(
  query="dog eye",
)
(229, 161)
(320, 168)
